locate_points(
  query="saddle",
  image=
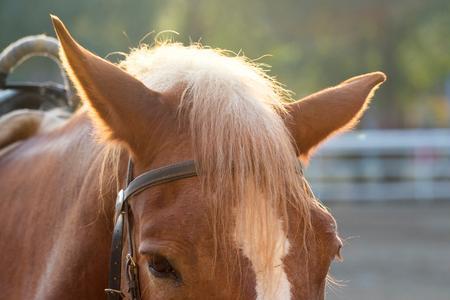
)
(31, 108)
(22, 124)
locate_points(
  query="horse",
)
(246, 226)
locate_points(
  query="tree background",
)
(309, 44)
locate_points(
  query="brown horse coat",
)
(56, 208)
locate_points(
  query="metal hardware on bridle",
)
(185, 169)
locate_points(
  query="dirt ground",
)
(393, 251)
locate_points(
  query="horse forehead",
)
(173, 209)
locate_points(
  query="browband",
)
(181, 170)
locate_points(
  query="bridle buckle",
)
(114, 292)
(120, 199)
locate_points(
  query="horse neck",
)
(51, 183)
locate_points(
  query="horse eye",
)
(160, 267)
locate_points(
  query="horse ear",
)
(320, 115)
(118, 102)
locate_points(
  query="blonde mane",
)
(243, 150)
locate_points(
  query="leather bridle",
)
(185, 169)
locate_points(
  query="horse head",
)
(248, 226)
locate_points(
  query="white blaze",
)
(271, 283)
(282, 286)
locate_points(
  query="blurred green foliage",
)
(309, 44)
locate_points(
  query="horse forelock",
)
(247, 163)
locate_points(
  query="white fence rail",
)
(383, 165)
